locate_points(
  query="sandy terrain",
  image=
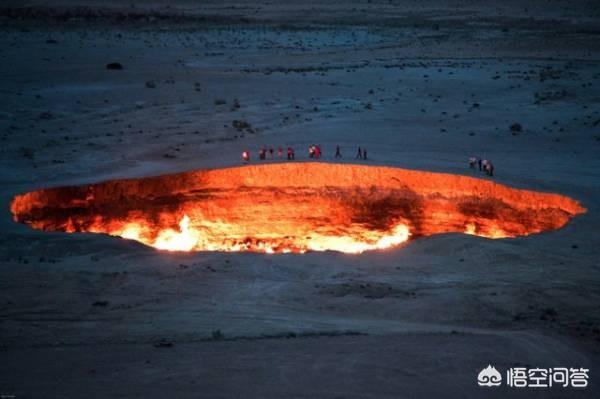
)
(422, 85)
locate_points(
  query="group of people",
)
(265, 152)
(484, 165)
(314, 152)
(362, 153)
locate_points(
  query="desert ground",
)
(420, 84)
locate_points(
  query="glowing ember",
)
(295, 207)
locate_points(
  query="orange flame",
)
(188, 238)
(281, 208)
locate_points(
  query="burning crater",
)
(293, 207)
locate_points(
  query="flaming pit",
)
(293, 207)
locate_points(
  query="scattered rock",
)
(28, 153)
(549, 313)
(46, 115)
(163, 343)
(239, 125)
(519, 317)
(374, 290)
(516, 128)
(115, 66)
(549, 73)
(151, 84)
(100, 303)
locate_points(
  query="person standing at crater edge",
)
(338, 153)
(472, 162)
(489, 168)
(359, 154)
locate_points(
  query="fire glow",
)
(293, 207)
